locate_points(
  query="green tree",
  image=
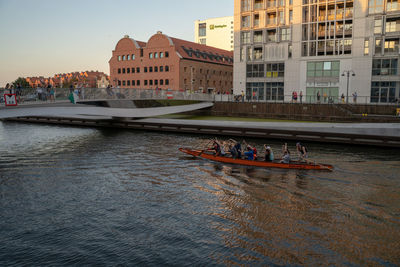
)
(22, 82)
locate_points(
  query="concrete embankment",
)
(374, 134)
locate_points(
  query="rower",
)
(269, 155)
(233, 151)
(302, 151)
(252, 148)
(286, 154)
(249, 154)
(238, 147)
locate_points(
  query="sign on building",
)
(10, 99)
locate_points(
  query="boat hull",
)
(255, 163)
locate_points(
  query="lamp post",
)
(347, 73)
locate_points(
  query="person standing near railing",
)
(355, 97)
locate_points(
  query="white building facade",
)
(216, 32)
(324, 49)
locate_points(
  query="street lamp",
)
(347, 73)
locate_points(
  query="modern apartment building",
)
(216, 32)
(318, 47)
(165, 62)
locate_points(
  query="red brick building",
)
(169, 63)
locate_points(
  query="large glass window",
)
(285, 34)
(391, 46)
(378, 26)
(323, 69)
(383, 67)
(383, 92)
(258, 4)
(258, 53)
(274, 91)
(256, 21)
(275, 70)
(255, 70)
(258, 37)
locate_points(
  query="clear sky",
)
(45, 37)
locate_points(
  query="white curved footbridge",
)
(97, 113)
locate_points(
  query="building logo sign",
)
(213, 26)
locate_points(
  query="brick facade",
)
(169, 63)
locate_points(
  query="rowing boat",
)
(256, 163)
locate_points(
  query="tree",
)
(22, 82)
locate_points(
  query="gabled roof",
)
(200, 52)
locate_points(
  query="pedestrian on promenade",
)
(355, 97)
(301, 97)
(19, 93)
(342, 98)
(318, 97)
(242, 96)
(7, 88)
(294, 97)
(52, 93)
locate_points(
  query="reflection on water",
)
(79, 196)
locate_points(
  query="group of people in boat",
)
(233, 149)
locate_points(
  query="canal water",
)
(82, 196)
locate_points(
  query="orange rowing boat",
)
(292, 165)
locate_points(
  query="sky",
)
(46, 37)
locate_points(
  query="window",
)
(245, 4)
(392, 25)
(166, 82)
(274, 91)
(249, 53)
(133, 70)
(133, 82)
(123, 70)
(133, 56)
(202, 29)
(128, 70)
(128, 57)
(123, 58)
(256, 21)
(258, 37)
(366, 46)
(119, 58)
(258, 53)
(138, 82)
(378, 26)
(375, 6)
(392, 5)
(245, 21)
(255, 70)
(161, 54)
(275, 70)
(281, 17)
(150, 69)
(150, 82)
(161, 82)
(258, 4)
(155, 82)
(391, 46)
(323, 69)
(166, 68)
(384, 67)
(290, 16)
(119, 83)
(383, 92)
(119, 71)
(271, 18)
(155, 55)
(285, 34)
(378, 46)
(166, 54)
(203, 41)
(123, 83)
(145, 82)
(128, 83)
(271, 35)
(145, 69)
(150, 55)
(155, 69)
(245, 37)
(161, 68)
(137, 70)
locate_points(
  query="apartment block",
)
(329, 48)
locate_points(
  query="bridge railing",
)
(62, 94)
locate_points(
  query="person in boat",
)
(252, 148)
(233, 151)
(269, 155)
(286, 154)
(222, 148)
(238, 147)
(302, 151)
(249, 153)
(216, 148)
